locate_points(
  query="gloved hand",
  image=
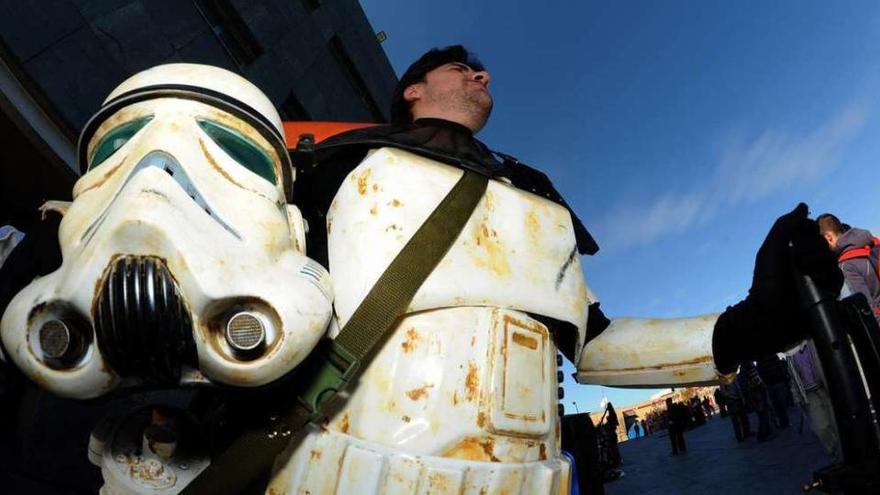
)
(771, 318)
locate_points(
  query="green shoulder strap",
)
(338, 361)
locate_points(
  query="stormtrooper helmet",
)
(183, 260)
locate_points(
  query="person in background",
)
(697, 412)
(757, 397)
(810, 391)
(736, 409)
(857, 252)
(676, 422)
(774, 374)
(610, 427)
(721, 400)
(707, 407)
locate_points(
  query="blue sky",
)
(678, 131)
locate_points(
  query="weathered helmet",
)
(182, 259)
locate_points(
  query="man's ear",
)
(832, 241)
(412, 93)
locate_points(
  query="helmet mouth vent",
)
(143, 327)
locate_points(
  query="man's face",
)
(454, 88)
(831, 237)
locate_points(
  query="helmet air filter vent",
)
(245, 334)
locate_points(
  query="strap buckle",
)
(335, 367)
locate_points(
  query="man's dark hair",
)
(435, 57)
(830, 223)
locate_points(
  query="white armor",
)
(461, 398)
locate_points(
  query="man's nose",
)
(482, 77)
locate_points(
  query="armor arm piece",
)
(634, 352)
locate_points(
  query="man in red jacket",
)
(857, 251)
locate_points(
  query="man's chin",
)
(482, 100)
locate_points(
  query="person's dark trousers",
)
(746, 423)
(740, 422)
(763, 425)
(673, 440)
(762, 407)
(614, 458)
(681, 445)
(779, 399)
(676, 437)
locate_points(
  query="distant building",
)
(316, 60)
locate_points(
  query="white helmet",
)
(182, 259)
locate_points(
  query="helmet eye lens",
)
(241, 149)
(115, 139)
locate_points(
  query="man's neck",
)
(441, 122)
(454, 117)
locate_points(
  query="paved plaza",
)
(716, 464)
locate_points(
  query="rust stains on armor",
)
(533, 225)
(688, 362)
(524, 340)
(472, 382)
(100, 182)
(473, 449)
(481, 419)
(419, 393)
(217, 167)
(362, 181)
(490, 253)
(412, 339)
